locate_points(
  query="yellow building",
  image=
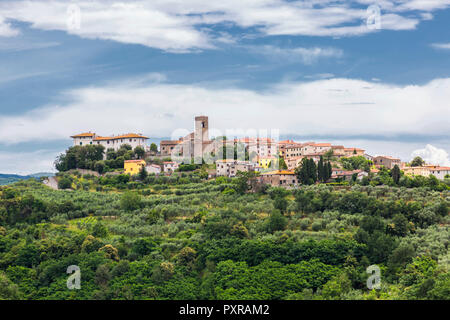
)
(133, 166)
(266, 162)
(416, 171)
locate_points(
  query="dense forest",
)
(185, 237)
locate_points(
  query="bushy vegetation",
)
(184, 237)
(91, 157)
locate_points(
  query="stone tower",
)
(201, 135)
(201, 128)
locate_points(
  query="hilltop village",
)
(226, 218)
(276, 163)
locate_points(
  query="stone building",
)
(279, 178)
(386, 161)
(192, 145)
(229, 167)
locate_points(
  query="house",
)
(321, 147)
(153, 168)
(293, 162)
(362, 174)
(282, 145)
(338, 151)
(347, 175)
(279, 178)
(111, 142)
(170, 166)
(268, 162)
(427, 170)
(133, 167)
(293, 150)
(337, 171)
(354, 152)
(416, 171)
(230, 167)
(386, 161)
(262, 147)
(439, 172)
(167, 146)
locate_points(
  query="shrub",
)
(64, 183)
(130, 201)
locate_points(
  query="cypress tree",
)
(312, 171)
(395, 174)
(320, 170)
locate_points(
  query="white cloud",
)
(433, 155)
(303, 55)
(323, 107)
(185, 25)
(423, 5)
(6, 30)
(444, 46)
(27, 162)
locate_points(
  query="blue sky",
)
(312, 69)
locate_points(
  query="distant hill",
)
(11, 178)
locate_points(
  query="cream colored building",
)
(111, 142)
(170, 166)
(427, 170)
(229, 167)
(153, 168)
(354, 152)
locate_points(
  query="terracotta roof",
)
(322, 144)
(280, 172)
(387, 157)
(170, 141)
(286, 141)
(226, 160)
(351, 149)
(438, 168)
(124, 136)
(134, 161)
(296, 145)
(86, 134)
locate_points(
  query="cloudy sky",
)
(370, 74)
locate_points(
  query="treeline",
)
(197, 240)
(309, 173)
(91, 157)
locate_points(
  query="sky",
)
(359, 73)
